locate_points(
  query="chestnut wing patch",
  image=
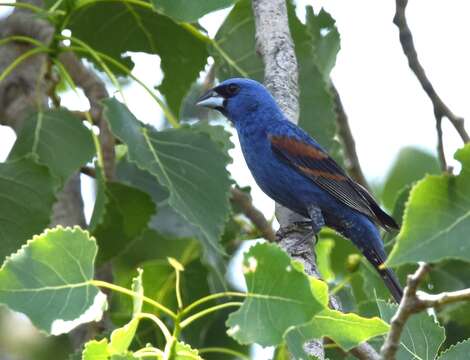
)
(314, 163)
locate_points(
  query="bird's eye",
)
(232, 89)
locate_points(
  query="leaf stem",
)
(160, 324)
(149, 351)
(208, 311)
(140, 3)
(83, 45)
(166, 111)
(20, 59)
(21, 38)
(178, 290)
(123, 290)
(212, 297)
(96, 141)
(341, 285)
(222, 350)
(24, 5)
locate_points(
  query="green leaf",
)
(126, 215)
(456, 352)
(96, 350)
(437, 218)
(121, 338)
(411, 164)
(279, 296)
(326, 39)
(138, 288)
(27, 195)
(217, 133)
(346, 330)
(188, 164)
(54, 269)
(189, 11)
(317, 109)
(421, 337)
(167, 221)
(323, 251)
(373, 285)
(115, 28)
(58, 139)
(184, 352)
(236, 38)
(99, 208)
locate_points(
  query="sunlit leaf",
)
(96, 350)
(279, 296)
(346, 330)
(185, 352)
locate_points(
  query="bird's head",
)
(238, 99)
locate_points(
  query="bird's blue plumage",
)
(295, 171)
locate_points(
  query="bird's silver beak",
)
(211, 99)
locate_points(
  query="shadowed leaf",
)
(48, 280)
(436, 222)
(421, 337)
(115, 28)
(27, 195)
(58, 139)
(189, 11)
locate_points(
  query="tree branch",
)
(344, 131)
(413, 302)
(243, 200)
(95, 90)
(440, 108)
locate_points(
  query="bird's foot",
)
(317, 219)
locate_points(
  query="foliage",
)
(164, 229)
(441, 203)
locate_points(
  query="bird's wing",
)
(314, 163)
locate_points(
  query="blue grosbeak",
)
(295, 171)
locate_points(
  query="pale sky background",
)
(386, 106)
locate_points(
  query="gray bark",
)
(275, 45)
(27, 88)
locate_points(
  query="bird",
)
(296, 172)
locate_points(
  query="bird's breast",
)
(275, 178)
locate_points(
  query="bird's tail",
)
(391, 281)
(387, 275)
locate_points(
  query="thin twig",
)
(344, 131)
(440, 108)
(440, 145)
(243, 200)
(365, 351)
(410, 304)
